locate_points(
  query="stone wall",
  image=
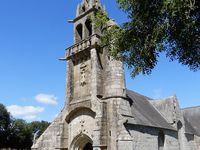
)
(197, 141)
(189, 142)
(146, 138)
(54, 136)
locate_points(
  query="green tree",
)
(20, 135)
(17, 133)
(155, 26)
(38, 126)
(5, 121)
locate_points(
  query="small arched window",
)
(79, 33)
(161, 140)
(88, 26)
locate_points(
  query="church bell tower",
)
(81, 56)
(94, 81)
(90, 119)
(91, 72)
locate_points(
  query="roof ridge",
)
(164, 98)
(140, 94)
(190, 107)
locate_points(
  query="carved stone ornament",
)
(83, 68)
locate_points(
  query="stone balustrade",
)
(82, 45)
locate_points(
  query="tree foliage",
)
(4, 118)
(38, 126)
(20, 136)
(17, 133)
(5, 121)
(155, 26)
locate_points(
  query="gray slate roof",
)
(144, 113)
(192, 120)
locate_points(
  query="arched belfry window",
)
(161, 140)
(79, 33)
(88, 28)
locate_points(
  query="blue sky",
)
(35, 33)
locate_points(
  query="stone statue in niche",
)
(83, 68)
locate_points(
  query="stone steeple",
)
(95, 88)
(87, 5)
(95, 82)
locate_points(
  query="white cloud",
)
(46, 99)
(30, 117)
(25, 112)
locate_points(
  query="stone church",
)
(101, 114)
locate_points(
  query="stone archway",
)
(82, 142)
(88, 146)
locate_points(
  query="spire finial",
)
(86, 5)
(91, 3)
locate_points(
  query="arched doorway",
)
(88, 146)
(82, 142)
